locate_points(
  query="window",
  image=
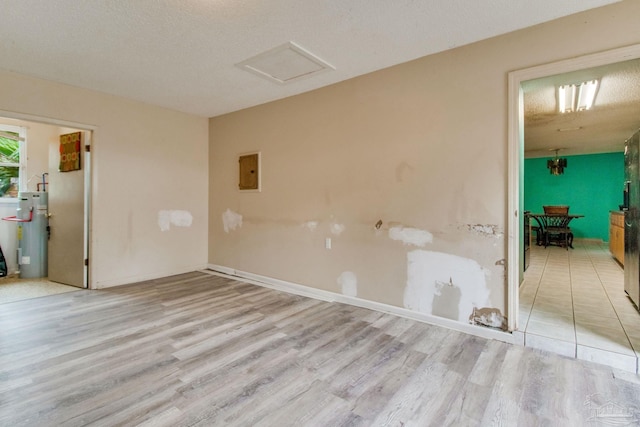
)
(12, 160)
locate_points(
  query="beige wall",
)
(422, 145)
(147, 162)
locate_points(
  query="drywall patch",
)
(311, 225)
(167, 218)
(181, 218)
(490, 317)
(446, 301)
(489, 230)
(231, 220)
(410, 236)
(164, 220)
(446, 280)
(336, 228)
(349, 283)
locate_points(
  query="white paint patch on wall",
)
(349, 283)
(311, 225)
(179, 218)
(410, 236)
(164, 220)
(428, 272)
(231, 220)
(336, 228)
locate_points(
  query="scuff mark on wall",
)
(336, 228)
(410, 236)
(446, 280)
(401, 170)
(501, 262)
(231, 220)
(349, 283)
(488, 317)
(311, 225)
(179, 218)
(490, 230)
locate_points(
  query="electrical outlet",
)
(327, 243)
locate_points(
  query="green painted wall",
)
(591, 185)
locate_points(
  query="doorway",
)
(516, 156)
(574, 304)
(68, 193)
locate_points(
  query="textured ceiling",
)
(181, 54)
(614, 117)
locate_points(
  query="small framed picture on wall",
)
(70, 152)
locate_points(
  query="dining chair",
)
(557, 225)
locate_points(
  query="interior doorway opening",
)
(516, 157)
(67, 192)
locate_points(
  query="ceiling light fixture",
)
(586, 95)
(573, 97)
(556, 166)
(566, 98)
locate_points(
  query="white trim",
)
(86, 160)
(221, 269)
(24, 158)
(513, 204)
(319, 294)
(515, 127)
(8, 135)
(144, 277)
(22, 141)
(45, 120)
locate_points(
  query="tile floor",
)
(14, 289)
(573, 303)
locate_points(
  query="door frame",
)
(515, 155)
(89, 180)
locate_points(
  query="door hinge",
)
(86, 262)
(87, 148)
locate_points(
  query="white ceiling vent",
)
(285, 64)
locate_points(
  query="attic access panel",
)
(285, 64)
(249, 172)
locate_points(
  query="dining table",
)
(555, 221)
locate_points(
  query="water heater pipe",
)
(16, 219)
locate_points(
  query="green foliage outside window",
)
(9, 166)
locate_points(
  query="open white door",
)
(68, 213)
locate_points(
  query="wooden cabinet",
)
(616, 235)
(527, 240)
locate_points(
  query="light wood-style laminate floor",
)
(199, 349)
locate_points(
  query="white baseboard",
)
(141, 278)
(307, 291)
